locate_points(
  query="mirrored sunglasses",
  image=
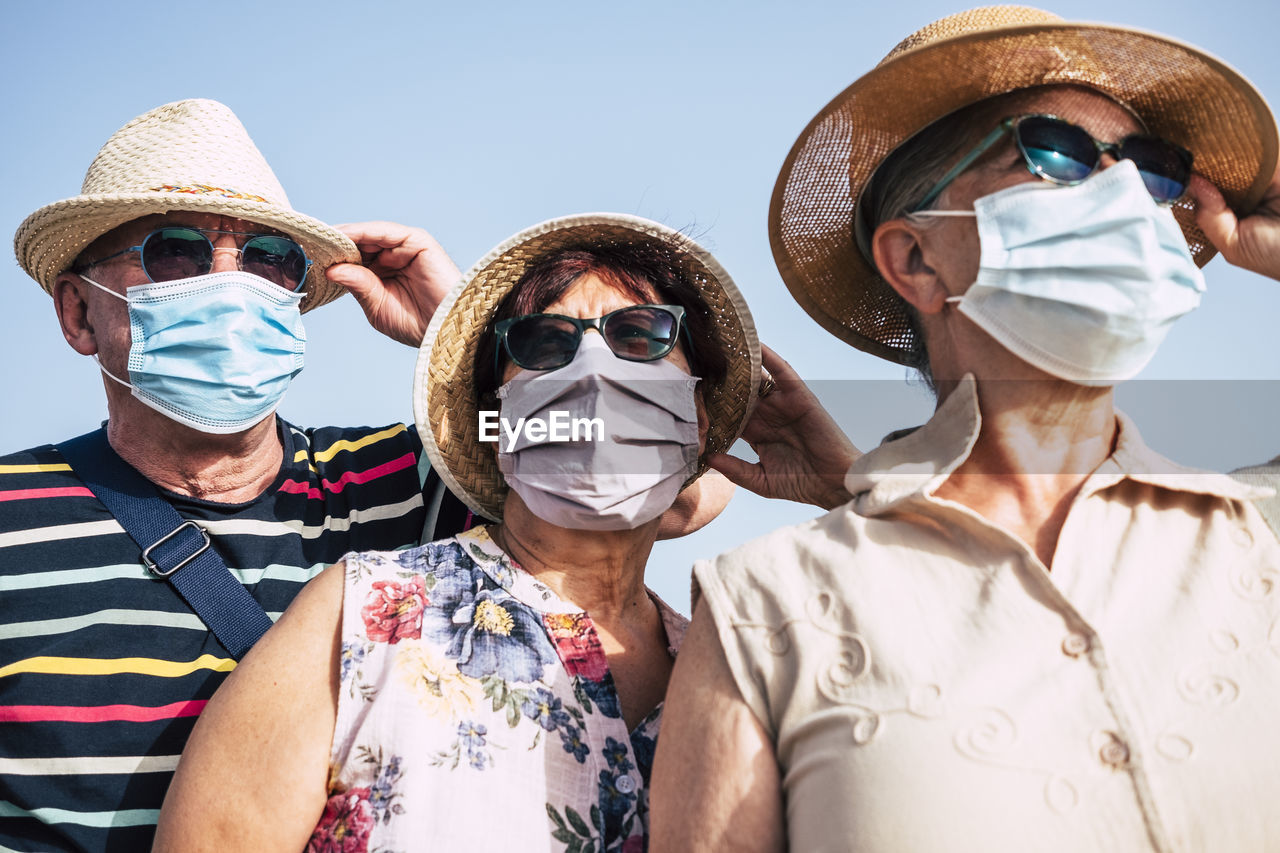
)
(178, 252)
(1064, 153)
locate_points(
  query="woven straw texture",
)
(445, 404)
(192, 155)
(1179, 92)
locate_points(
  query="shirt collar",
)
(915, 464)
(1134, 460)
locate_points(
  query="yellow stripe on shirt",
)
(34, 469)
(351, 446)
(116, 666)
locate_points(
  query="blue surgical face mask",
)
(215, 352)
(1083, 282)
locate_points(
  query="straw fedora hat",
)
(1178, 91)
(445, 403)
(192, 155)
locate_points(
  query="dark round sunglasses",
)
(178, 252)
(1057, 150)
(550, 341)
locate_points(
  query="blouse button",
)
(1074, 645)
(625, 784)
(1114, 754)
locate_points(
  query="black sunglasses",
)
(1064, 153)
(550, 341)
(178, 252)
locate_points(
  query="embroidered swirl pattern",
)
(1201, 687)
(989, 739)
(1254, 583)
(992, 737)
(993, 734)
(1174, 747)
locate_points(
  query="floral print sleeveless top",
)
(476, 712)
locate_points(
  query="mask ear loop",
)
(86, 278)
(95, 358)
(108, 373)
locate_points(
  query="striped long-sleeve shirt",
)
(104, 669)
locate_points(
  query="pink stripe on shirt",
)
(99, 713)
(296, 487)
(32, 494)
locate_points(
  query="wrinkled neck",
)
(601, 571)
(1043, 426)
(1039, 440)
(230, 468)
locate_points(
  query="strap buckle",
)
(154, 567)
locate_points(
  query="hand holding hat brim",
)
(404, 276)
(1251, 242)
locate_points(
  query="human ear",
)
(901, 255)
(72, 305)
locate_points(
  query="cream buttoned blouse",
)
(930, 686)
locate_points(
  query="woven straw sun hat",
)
(445, 402)
(1178, 91)
(192, 155)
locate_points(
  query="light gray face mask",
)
(1083, 282)
(636, 439)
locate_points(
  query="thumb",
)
(1215, 218)
(362, 283)
(366, 287)
(740, 472)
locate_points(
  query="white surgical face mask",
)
(1082, 282)
(632, 473)
(215, 352)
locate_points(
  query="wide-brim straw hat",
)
(1179, 92)
(191, 155)
(445, 403)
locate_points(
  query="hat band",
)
(205, 189)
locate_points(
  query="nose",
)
(226, 254)
(1107, 155)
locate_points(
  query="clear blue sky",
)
(477, 120)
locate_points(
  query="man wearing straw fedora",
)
(183, 271)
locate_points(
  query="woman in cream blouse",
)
(1026, 631)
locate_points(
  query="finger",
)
(737, 471)
(420, 250)
(1215, 218)
(393, 244)
(364, 285)
(377, 234)
(399, 256)
(776, 365)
